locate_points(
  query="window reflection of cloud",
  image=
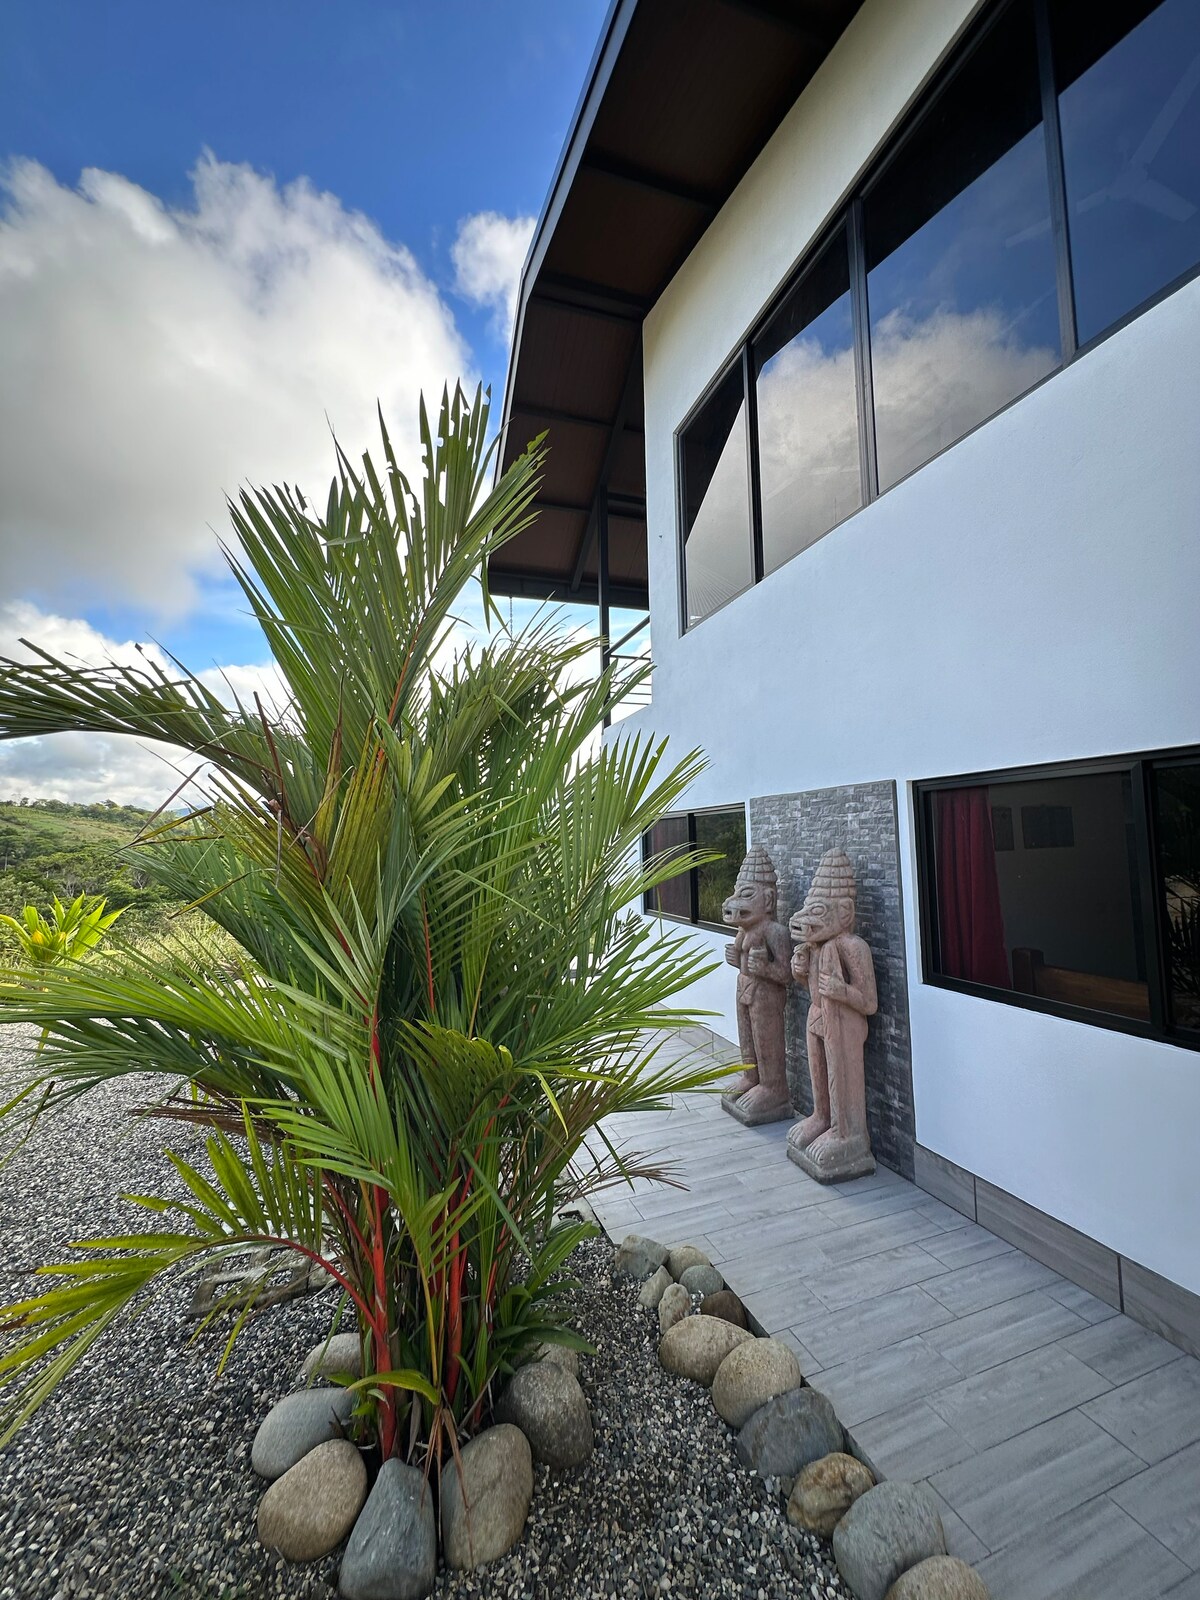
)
(718, 545)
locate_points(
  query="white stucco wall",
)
(1028, 596)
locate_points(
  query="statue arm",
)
(778, 970)
(861, 994)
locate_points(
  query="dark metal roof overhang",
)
(681, 97)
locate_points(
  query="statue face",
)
(749, 905)
(818, 920)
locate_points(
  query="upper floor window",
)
(1047, 186)
(1075, 890)
(716, 499)
(959, 255)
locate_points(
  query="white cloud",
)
(154, 358)
(86, 767)
(488, 254)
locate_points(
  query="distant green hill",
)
(51, 847)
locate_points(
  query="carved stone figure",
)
(761, 954)
(835, 964)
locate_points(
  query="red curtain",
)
(970, 921)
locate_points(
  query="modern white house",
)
(867, 336)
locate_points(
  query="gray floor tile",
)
(965, 1245)
(988, 1282)
(1189, 1589)
(910, 1442)
(998, 1333)
(1121, 1349)
(1166, 1501)
(1083, 1303)
(961, 1541)
(784, 1305)
(1097, 1552)
(1006, 1400)
(945, 1216)
(1155, 1415)
(809, 1365)
(838, 1336)
(1035, 1477)
(885, 1379)
(862, 1280)
(781, 1231)
(884, 1233)
(845, 1209)
(747, 1266)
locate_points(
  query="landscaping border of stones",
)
(888, 1539)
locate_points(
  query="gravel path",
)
(134, 1481)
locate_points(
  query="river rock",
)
(696, 1347)
(885, 1532)
(638, 1258)
(683, 1256)
(940, 1578)
(726, 1305)
(547, 1404)
(485, 1500)
(702, 1279)
(342, 1354)
(675, 1304)
(297, 1424)
(825, 1490)
(654, 1288)
(787, 1433)
(392, 1554)
(308, 1511)
(561, 1355)
(752, 1374)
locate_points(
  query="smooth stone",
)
(675, 1304)
(939, 1578)
(392, 1554)
(638, 1258)
(654, 1288)
(341, 1355)
(825, 1490)
(297, 1424)
(787, 1433)
(696, 1347)
(308, 1511)
(548, 1406)
(885, 1532)
(683, 1256)
(485, 1497)
(751, 1375)
(561, 1355)
(702, 1280)
(726, 1305)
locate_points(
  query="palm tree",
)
(427, 862)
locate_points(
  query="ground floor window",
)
(696, 896)
(1072, 889)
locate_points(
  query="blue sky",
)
(221, 224)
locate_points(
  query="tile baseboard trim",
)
(1165, 1307)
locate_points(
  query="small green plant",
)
(66, 934)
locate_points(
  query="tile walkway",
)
(1062, 1439)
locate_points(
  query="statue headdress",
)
(834, 878)
(758, 868)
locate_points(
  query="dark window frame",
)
(693, 921)
(849, 216)
(1141, 767)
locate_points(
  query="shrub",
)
(426, 862)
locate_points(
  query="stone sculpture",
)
(761, 953)
(833, 1144)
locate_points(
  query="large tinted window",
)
(1177, 827)
(960, 257)
(1129, 105)
(718, 561)
(697, 896)
(1039, 890)
(807, 410)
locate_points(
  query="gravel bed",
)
(135, 1479)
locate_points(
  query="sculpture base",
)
(756, 1116)
(840, 1166)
